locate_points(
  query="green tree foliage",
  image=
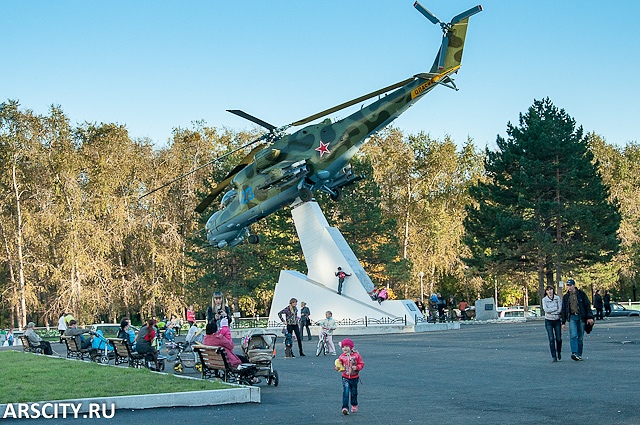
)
(76, 236)
(620, 169)
(544, 202)
(369, 231)
(424, 188)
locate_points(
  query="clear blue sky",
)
(156, 65)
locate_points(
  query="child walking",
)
(350, 364)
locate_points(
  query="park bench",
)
(27, 347)
(74, 351)
(216, 365)
(124, 354)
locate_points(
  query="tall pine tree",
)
(543, 205)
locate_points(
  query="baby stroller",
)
(260, 348)
(101, 351)
(183, 356)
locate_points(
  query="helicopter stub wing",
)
(248, 159)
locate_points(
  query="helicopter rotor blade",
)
(466, 14)
(224, 183)
(251, 118)
(213, 195)
(213, 161)
(427, 13)
(351, 102)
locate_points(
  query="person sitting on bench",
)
(222, 338)
(145, 341)
(36, 341)
(74, 331)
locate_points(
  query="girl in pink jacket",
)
(350, 363)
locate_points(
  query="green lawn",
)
(30, 377)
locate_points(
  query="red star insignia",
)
(323, 148)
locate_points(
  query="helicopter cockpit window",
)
(212, 221)
(227, 198)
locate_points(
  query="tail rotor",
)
(454, 35)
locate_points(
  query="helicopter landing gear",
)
(253, 239)
(305, 194)
(336, 195)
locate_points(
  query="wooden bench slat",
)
(215, 362)
(73, 349)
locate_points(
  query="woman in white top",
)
(552, 306)
(62, 325)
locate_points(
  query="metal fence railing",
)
(263, 322)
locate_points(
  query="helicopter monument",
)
(286, 169)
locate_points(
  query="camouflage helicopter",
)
(288, 168)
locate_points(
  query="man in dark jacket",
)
(74, 331)
(607, 303)
(598, 305)
(576, 309)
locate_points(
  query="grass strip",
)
(30, 377)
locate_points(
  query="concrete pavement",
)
(480, 374)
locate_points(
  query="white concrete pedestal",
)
(325, 249)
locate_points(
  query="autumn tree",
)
(620, 168)
(424, 189)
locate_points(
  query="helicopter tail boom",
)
(450, 53)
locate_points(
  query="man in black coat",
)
(576, 309)
(607, 303)
(598, 305)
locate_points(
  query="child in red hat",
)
(350, 364)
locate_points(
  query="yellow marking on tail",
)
(422, 87)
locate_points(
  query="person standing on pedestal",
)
(341, 276)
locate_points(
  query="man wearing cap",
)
(576, 309)
(36, 341)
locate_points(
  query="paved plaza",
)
(480, 374)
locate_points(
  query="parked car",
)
(511, 313)
(617, 310)
(110, 330)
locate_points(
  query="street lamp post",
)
(421, 274)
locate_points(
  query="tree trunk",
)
(12, 279)
(405, 242)
(558, 230)
(22, 315)
(541, 285)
